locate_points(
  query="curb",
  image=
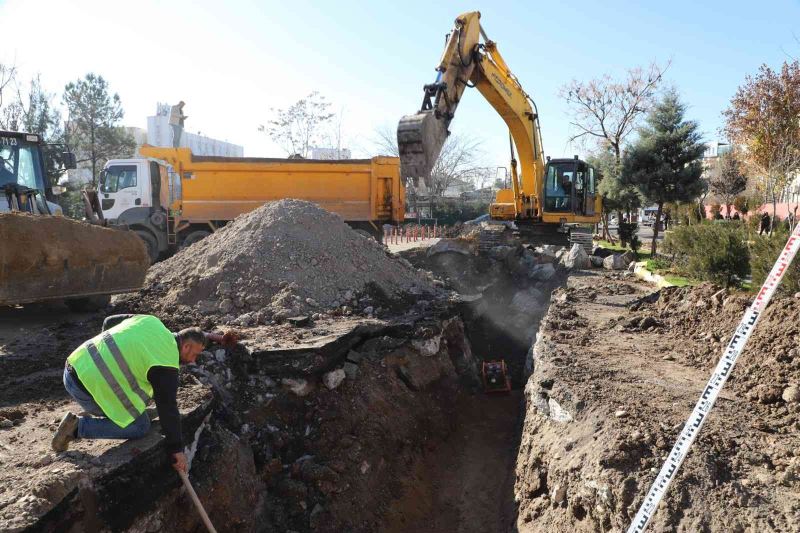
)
(641, 272)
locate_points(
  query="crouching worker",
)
(114, 375)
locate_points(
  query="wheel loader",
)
(46, 256)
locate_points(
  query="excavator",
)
(46, 256)
(551, 201)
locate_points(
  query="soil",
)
(284, 259)
(611, 390)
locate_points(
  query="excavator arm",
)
(467, 59)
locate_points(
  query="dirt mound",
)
(52, 256)
(286, 258)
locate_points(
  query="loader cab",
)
(569, 187)
(22, 167)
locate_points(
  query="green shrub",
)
(715, 252)
(659, 263)
(764, 253)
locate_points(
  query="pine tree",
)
(665, 162)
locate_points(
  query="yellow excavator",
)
(551, 199)
(46, 256)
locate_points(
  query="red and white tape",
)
(714, 386)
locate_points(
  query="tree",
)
(763, 118)
(299, 126)
(742, 204)
(92, 128)
(8, 75)
(616, 195)
(727, 179)
(607, 111)
(665, 162)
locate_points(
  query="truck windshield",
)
(117, 178)
(20, 164)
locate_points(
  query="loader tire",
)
(150, 243)
(88, 303)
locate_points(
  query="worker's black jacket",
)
(165, 392)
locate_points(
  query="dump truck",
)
(45, 256)
(172, 198)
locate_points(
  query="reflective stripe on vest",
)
(126, 370)
(110, 380)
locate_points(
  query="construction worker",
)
(115, 374)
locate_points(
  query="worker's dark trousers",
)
(99, 426)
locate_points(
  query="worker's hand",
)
(179, 462)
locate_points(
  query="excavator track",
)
(45, 257)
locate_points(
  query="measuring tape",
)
(714, 386)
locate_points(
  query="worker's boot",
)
(67, 432)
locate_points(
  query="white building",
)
(159, 133)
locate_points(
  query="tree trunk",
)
(656, 225)
(774, 212)
(622, 240)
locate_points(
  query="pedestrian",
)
(667, 220)
(114, 375)
(765, 222)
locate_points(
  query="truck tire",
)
(88, 303)
(193, 237)
(150, 243)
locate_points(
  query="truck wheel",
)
(89, 303)
(150, 243)
(193, 237)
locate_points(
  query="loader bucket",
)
(52, 257)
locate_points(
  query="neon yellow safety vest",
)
(113, 366)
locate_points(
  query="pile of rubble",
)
(284, 259)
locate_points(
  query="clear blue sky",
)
(231, 62)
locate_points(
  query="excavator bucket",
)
(420, 138)
(45, 257)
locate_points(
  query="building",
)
(159, 133)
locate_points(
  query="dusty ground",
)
(611, 390)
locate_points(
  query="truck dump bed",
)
(221, 188)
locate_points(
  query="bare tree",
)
(459, 161)
(8, 76)
(299, 126)
(727, 179)
(607, 110)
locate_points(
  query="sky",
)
(233, 62)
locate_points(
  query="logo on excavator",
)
(501, 84)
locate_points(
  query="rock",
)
(791, 394)
(614, 262)
(559, 493)
(299, 321)
(632, 267)
(577, 258)
(718, 296)
(548, 250)
(226, 305)
(312, 302)
(369, 310)
(596, 261)
(500, 253)
(797, 295)
(334, 378)
(298, 386)
(457, 246)
(542, 272)
(224, 288)
(5, 423)
(350, 370)
(649, 322)
(601, 252)
(207, 307)
(427, 347)
(219, 355)
(621, 414)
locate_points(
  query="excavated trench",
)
(407, 441)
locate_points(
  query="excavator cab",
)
(569, 187)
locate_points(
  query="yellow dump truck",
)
(172, 198)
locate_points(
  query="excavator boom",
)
(471, 59)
